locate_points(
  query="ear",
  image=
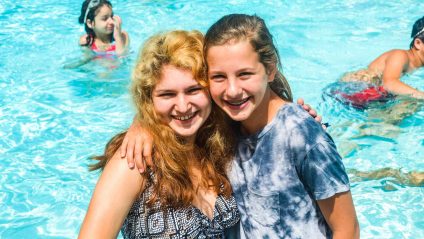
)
(90, 23)
(418, 44)
(271, 73)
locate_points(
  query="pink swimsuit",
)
(109, 51)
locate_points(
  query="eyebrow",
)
(238, 71)
(171, 90)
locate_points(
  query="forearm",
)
(121, 44)
(348, 232)
(400, 88)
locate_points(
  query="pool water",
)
(52, 119)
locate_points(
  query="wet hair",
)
(238, 27)
(417, 31)
(213, 148)
(91, 14)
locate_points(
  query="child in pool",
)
(104, 33)
(186, 193)
(287, 177)
(385, 71)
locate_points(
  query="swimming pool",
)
(52, 118)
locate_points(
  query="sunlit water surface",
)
(52, 119)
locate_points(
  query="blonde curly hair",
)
(213, 148)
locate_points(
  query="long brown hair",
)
(237, 27)
(213, 148)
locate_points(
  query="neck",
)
(104, 38)
(264, 113)
(416, 60)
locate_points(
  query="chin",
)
(186, 133)
(237, 117)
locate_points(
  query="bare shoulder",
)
(117, 169)
(398, 55)
(395, 56)
(83, 40)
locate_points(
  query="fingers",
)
(138, 155)
(130, 154)
(307, 107)
(117, 20)
(147, 152)
(143, 156)
(313, 113)
(300, 101)
(124, 145)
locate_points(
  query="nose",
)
(233, 89)
(183, 103)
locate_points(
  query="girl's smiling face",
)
(181, 102)
(238, 80)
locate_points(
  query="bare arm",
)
(396, 63)
(340, 215)
(122, 39)
(115, 192)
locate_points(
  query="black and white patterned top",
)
(158, 222)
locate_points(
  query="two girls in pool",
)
(104, 35)
(287, 177)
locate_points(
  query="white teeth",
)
(238, 103)
(185, 117)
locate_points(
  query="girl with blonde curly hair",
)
(185, 193)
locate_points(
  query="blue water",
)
(52, 119)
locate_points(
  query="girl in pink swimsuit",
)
(104, 34)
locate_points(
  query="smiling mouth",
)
(185, 117)
(237, 103)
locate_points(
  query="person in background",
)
(104, 34)
(385, 72)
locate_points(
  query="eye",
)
(195, 89)
(217, 77)
(245, 74)
(166, 95)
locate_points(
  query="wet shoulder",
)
(380, 62)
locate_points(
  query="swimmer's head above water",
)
(417, 32)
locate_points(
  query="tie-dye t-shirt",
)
(280, 172)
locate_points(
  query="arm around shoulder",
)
(116, 190)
